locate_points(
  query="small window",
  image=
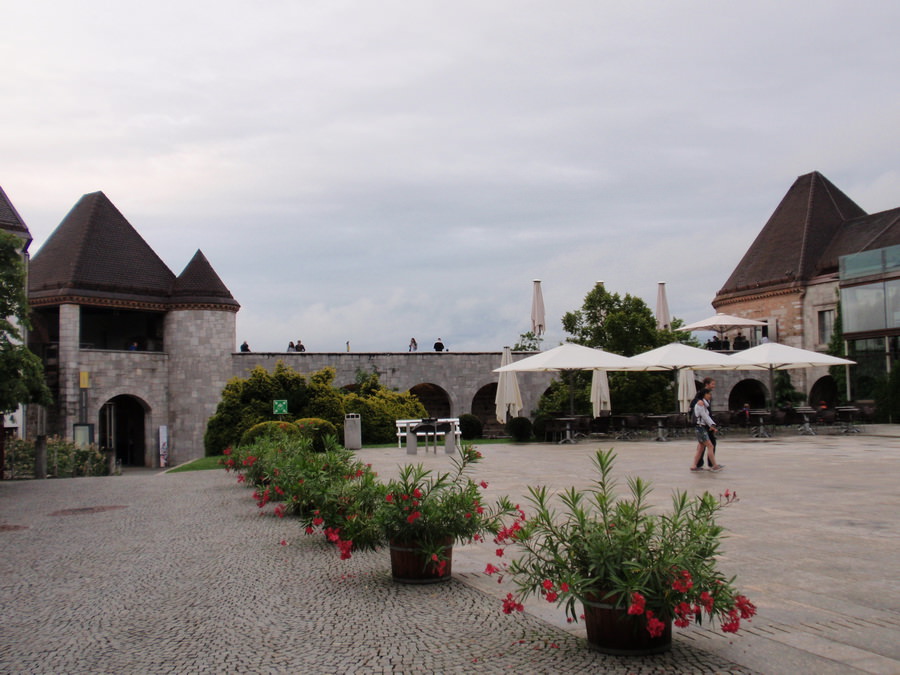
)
(826, 326)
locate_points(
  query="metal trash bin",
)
(352, 431)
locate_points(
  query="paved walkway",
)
(163, 573)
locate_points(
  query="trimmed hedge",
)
(470, 427)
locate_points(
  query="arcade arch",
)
(747, 391)
(435, 399)
(824, 389)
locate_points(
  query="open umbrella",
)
(679, 357)
(774, 356)
(568, 358)
(508, 400)
(663, 318)
(721, 323)
(538, 322)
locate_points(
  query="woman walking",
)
(704, 423)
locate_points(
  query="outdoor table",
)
(660, 428)
(847, 418)
(568, 437)
(760, 431)
(805, 429)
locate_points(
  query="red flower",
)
(344, 547)
(283, 542)
(654, 626)
(389, 499)
(564, 587)
(318, 520)
(417, 493)
(746, 608)
(707, 601)
(484, 484)
(547, 584)
(227, 451)
(490, 569)
(552, 596)
(734, 624)
(279, 510)
(685, 583)
(309, 530)
(411, 518)
(637, 604)
(510, 605)
(499, 552)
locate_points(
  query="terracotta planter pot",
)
(410, 566)
(615, 631)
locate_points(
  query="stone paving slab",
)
(189, 577)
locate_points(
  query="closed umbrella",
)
(538, 322)
(663, 318)
(600, 398)
(508, 400)
(687, 388)
(774, 356)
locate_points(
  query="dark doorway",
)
(434, 398)
(122, 429)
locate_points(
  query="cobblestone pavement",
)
(172, 573)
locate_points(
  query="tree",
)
(528, 342)
(21, 371)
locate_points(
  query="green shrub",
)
(539, 426)
(64, 459)
(379, 409)
(470, 427)
(317, 430)
(275, 430)
(520, 429)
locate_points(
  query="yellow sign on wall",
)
(84, 379)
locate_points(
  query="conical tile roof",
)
(789, 248)
(199, 284)
(10, 220)
(95, 253)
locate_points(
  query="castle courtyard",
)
(155, 572)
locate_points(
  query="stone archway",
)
(435, 399)
(122, 429)
(824, 389)
(747, 391)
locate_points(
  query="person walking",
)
(413, 345)
(704, 424)
(708, 383)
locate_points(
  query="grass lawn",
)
(202, 464)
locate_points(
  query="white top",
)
(701, 413)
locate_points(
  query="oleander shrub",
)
(470, 427)
(520, 429)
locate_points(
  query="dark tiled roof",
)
(878, 230)
(792, 243)
(199, 284)
(10, 220)
(96, 253)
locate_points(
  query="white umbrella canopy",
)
(676, 355)
(687, 388)
(600, 398)
(538, 322)
(663, 318)
(774, 356)
(781, 357)
(721, 323)
(509, 399)
(569, 356)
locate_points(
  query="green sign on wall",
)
(279, 407)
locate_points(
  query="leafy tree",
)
(21, 371)
(622, 325)
(528, 342)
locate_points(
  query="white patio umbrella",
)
(600, 398)
(721, 323)
(774, 356)
(567, 358)
(663, 318)
(508, 400)
(538, 322)
(679, 357)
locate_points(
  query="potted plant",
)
(422, 514)
(634, 571)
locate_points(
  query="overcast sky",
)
(372, 171)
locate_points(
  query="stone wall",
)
(199, 344)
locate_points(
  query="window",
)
(826, 326)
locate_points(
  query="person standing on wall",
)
(439, 345)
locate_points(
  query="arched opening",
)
(825, 389)
(434, 398)
(747, 391)
(484, 405)
(122, 429)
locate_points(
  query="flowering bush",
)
(425, 510)
(602, 548)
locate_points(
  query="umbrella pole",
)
(571, 394)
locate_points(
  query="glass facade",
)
(863, 308)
